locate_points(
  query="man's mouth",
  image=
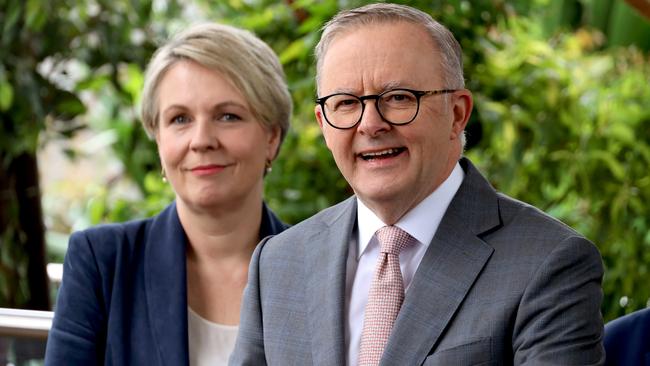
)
(383, 154)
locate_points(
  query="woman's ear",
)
(274, 134)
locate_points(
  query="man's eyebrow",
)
(385, 86)
(343, 90)
(392, 85)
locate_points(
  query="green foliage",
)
(105, 206)
(50, 54)
(567, 130)
(617, 20)
(28, 101)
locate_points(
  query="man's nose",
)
(372, 122)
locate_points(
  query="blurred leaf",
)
(6, 95)
(36, 13)
(132, 80)
(612, 163)
(11, 17)
(68, 105)
(295, 50)
(260, 20)
(96, 210)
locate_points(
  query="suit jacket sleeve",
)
(559, 320)
(249, 348)
(77, 336)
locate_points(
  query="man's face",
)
(392, 168)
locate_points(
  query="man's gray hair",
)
(450, 51)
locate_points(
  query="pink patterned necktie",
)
(385, 297)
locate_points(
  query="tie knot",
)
(392, 239)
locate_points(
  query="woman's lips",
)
(204, 170)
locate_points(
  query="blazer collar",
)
(166, 285)
(271, 224)
(325, 287)
(450, 266)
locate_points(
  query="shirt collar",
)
(421, 222)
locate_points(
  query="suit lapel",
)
(166, 286)
(326, 267)
(451, 265)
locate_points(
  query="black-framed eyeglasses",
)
(395, 106)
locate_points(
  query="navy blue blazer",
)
(627, 340)
(123, 299)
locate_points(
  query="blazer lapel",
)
(326, 284)
(450, 266)
(166, 286)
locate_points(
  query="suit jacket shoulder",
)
(498, 283)
(301, 232)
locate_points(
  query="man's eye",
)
(346, 103)
(394, 98)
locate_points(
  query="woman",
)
(167, 290)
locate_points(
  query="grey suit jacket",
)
(500, 284)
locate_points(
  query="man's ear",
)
(461, 111)
(319, 116)
(322, 124)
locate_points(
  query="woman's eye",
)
(230, 117)
(180, 119)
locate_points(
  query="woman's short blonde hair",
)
(248, 62)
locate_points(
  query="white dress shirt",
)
(421, 222)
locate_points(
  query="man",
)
(474, 277)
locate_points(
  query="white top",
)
(421, 222)
(210, 343)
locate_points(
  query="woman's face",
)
(211, 146)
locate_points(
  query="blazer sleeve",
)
(249, 347)
(559, 321)
(78, 333)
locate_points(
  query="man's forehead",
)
(390, 41)
(375, 58)
(414, 30)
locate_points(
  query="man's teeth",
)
(379, 154)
